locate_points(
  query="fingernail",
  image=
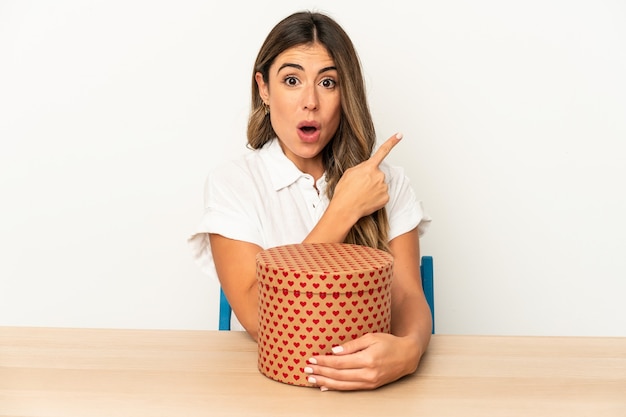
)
(399, 135)
(337, 349)
(313, 361)
(311, 380)
(308, 370)
(323, 389)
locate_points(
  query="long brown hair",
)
(355, 138)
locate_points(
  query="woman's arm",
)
(410, 314)
(235, 263)
(377, 358)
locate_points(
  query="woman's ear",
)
(264, 90)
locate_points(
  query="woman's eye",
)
(291, 81)
(328, 83)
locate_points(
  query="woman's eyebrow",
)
(326, 69)
(290, 65)
(300, 68)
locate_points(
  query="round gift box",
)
(315, 296)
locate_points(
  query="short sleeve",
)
(404, 210)
(228, 211)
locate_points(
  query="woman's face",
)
(305, 103)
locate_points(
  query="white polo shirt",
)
(263, 198)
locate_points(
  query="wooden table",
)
(86, 372)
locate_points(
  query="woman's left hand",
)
(368, 362)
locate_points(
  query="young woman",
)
(313, 177)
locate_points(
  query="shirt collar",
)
(282, 171)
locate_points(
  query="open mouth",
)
(308, 126)
(308, 129)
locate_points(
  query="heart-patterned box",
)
(315, 296)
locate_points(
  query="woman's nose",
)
(310, 99)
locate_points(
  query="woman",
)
(312, 178)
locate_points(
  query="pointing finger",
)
(385, 148)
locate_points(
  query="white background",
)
(514, 116)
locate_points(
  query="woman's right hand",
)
(362, 189)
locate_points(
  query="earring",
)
(266, 108)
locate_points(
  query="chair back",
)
(427, 271)
(225, 312)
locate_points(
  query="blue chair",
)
(428, 284)
(225, 312)
(426, 269)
